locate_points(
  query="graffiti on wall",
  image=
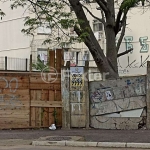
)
(133, 63)
(137, 58)
(119, 106)
(9, 100)
(128, 40)
(142, 43)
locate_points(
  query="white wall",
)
(13, 43)
(138, 31)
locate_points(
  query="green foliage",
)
(39, 65)
(67, 23)
(17, 3)
(50, 14)
(127, 4)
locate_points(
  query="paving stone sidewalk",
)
(90, 135)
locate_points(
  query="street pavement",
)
(89, 137)
(59, 148)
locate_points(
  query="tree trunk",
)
(111, 51)
(99, 57)
(91, 42)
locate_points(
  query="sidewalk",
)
(93, 135)
(90, 135)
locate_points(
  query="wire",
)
(14, 49)
(12, 19)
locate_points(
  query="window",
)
(44, 29)
(43, 1)
(73, 59)
(86, 55)
(72, 33)
(90, 1)
(97, 26)
(42, 54)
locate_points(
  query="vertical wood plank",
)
(51, 110)
(58, 110)
(51, 93)
(45, 111)
(52, 59)
(58, 60)
(32, 114)
(37, 109)
(38, 116)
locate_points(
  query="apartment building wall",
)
(136, 36)
(13, 43)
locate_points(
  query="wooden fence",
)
(27, 100)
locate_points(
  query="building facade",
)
(16, 44)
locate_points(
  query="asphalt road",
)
(25, 147)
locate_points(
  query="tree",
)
(52, 11)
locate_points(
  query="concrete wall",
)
(118, 104)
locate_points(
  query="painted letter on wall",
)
(128, 40)
(144, 45)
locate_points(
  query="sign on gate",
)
(77, 79)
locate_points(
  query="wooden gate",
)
(46, 104)
(27, 100)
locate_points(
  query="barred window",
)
(97, 26)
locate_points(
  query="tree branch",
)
(118, 21)
(121, 36)
(78, 9)
(43, 9)
(125, 52)
(101, 20)
(122, 31)
(103, 5)
(65, 2)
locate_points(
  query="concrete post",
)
(148, 95)
(65, 90)
(86, 89)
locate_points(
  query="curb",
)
(92, 144)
